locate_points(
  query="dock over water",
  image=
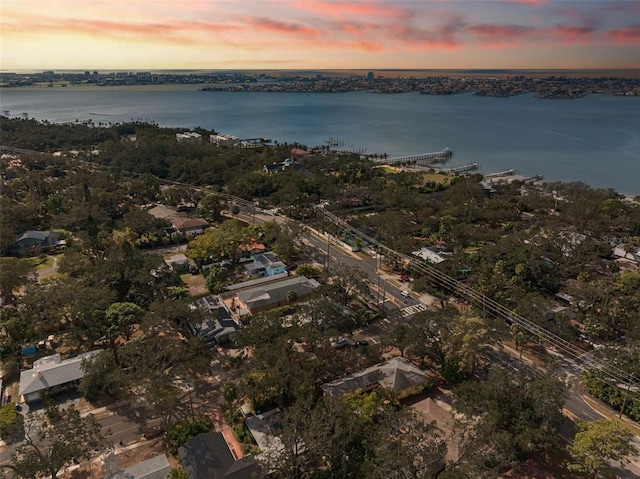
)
(424, 159)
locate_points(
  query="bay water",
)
(595, 139)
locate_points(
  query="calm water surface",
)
(595, 139)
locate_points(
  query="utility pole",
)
(626, 393)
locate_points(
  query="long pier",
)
(462, 169)
(501, 173)
(420, 159)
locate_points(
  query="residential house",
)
(194, 226)
(35, 242)
(179, 262)
(265, 264)
(224, 140)
(217, 326)
(433, 255)
(263, 297)
(164, 212)
(179, 220)
(265, 429)
(275, 167)
(208, 455)
(157, 467)
(189, 137)
(397, 374)
(53, 375)
(299, 154)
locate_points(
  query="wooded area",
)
(520, 244)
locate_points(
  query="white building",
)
(189, 137)
(224, 140)
(430, 255)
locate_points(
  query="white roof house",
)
(50, 372)
(430, 255)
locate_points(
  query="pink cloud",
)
(274, 26)
(349, 9)
(500, 33)
(529, 2)
(624, 36)
(572, 34)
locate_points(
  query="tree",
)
(510, 415)
(53, 438)
(211, 207)
(217, 279)
(291, 296)
(284, 237)
(415, 451)
(308, 270)
(119, 319)
(599, 442)
(11, 423)
(14, 273)
(348, 280)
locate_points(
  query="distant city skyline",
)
(319, 34)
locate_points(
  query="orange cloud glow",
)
(316, 33)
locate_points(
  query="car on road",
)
(405, 293)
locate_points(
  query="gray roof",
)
(164, 212)
(397, 374)
(37, 235)
(207, 456)
(155, 468)
(51, 371)
(262, 430)
(275, 292)
(49, 237)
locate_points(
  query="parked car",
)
(404, 277)
(340, 343)
(362, 343)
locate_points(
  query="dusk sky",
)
(315, 35)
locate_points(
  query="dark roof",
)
(207, 456)
(49, 237)
(37, 235)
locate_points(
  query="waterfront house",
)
(299, 154)
(281, 166)
(189, 137)
(224, 140)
